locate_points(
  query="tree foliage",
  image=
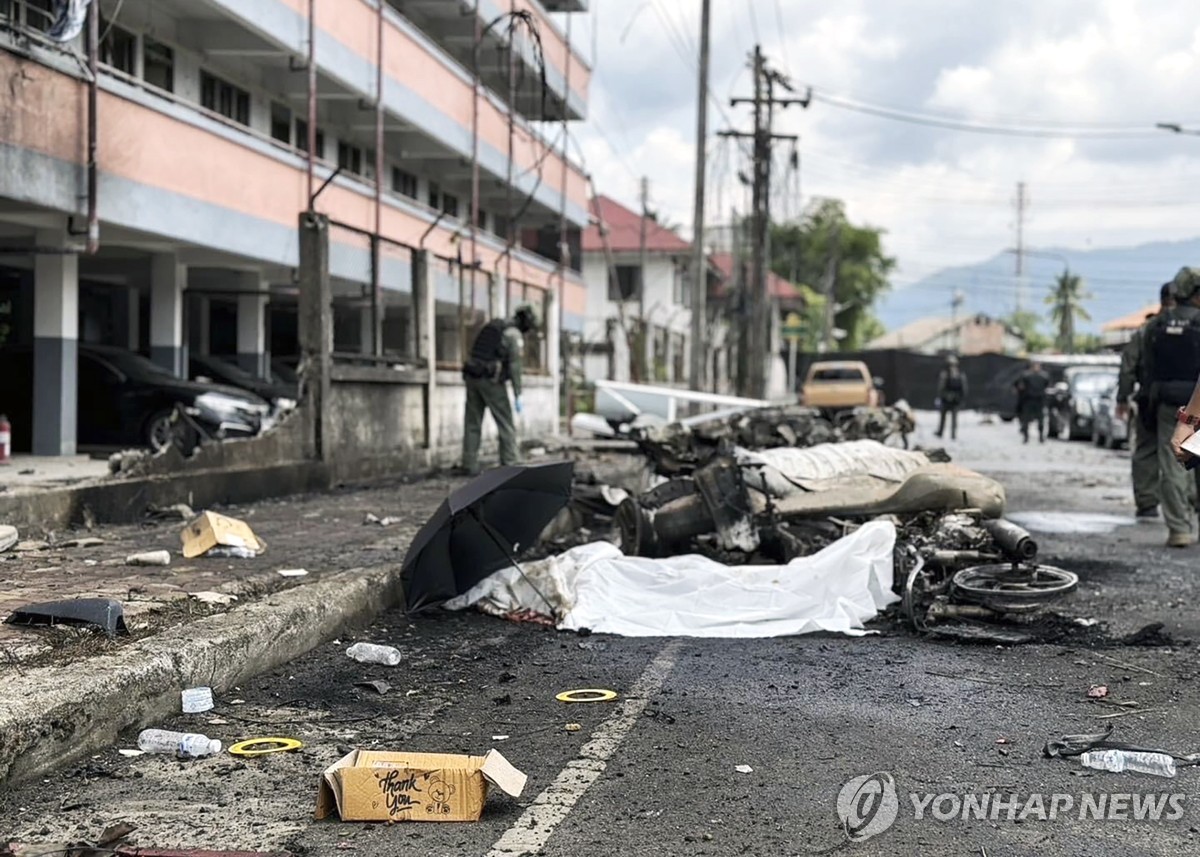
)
(1029, 324)
(1066, 305)
(801, 251)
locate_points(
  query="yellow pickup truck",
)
(837, 385)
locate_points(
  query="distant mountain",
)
(1120, 279)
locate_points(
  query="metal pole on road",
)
(699, 352)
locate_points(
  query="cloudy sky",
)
(1091, 76)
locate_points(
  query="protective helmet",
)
(525, 318)
(1167, 292)
(1187, 284)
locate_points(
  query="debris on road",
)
(163, 741)
(176, 512)
(369, 653)
(84, 542)
(220, 599)
(380, 686)
(196, 700)
(590, 694)
(160, 557)
(1098, 691)
(1117, 761)
(8, 537)
(210, 530)
(371, 785)
(573, 727)
(744, 769)
(252, 747)
(105, 613)
(293, 572)
(372, 518)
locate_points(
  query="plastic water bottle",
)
(369, 653)
(177, 743)
(1158, 764)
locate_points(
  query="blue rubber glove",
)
(517, 404)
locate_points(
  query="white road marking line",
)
(534, 828)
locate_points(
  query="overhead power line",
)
(1043, 131)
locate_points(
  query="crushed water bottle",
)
(369, 653)
(177, 743)
(1158, 764)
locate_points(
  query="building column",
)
(168, 279)
(133, 318)
(252, 326)
(55, 347)
(425, 302)
(553, 327)
(315, 328)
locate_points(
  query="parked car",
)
(998, 395)
(840, 385)
(125, 400)
(1075, 399)
(1107, 429)
(281, 394)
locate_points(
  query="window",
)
(158, 64)
(350, 158)
(39, 14)
(119, 48)
(481, 222)
(6, 10)
(223, 97)
(435, 196)
(629, 278)
(404, 182)
(450, 204)
(281, 122)
(302, 138)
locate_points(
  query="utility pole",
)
(1020, 246)
(829, 289)
(640, 340)
(757, 324)
(699, 327)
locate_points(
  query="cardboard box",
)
(370, 785)
(208, 529)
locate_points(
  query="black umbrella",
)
(481, 528)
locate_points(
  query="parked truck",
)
(837, 385)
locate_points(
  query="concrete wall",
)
(538, 420)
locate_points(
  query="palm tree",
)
(1066, 304)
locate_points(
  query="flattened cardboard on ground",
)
(208, 529)
(370, 785)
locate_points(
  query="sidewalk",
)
(65, 691)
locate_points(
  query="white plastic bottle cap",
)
(214, 747)
(197, 699)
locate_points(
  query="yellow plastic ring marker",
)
(590, 694)
(267, 745)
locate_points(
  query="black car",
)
(281, 393)
(125, 400)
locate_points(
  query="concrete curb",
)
(54, 715)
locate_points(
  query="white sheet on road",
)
(597, 587)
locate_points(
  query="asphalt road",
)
(656, 771)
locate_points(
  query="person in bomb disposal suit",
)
(1172, 352)
(494, 361)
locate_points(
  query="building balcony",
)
(452, 24)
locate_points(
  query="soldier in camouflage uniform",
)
(494, 361)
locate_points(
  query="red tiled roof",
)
(778, 286)
(625, 231)
(1132, 321)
